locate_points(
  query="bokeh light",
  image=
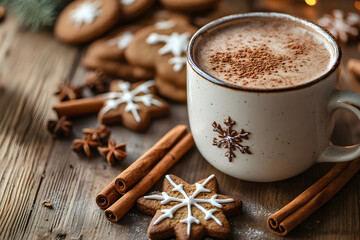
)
(357, 5)
(311, 2)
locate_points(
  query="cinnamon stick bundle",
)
(290, 216)
(127, 201)
(140, 167)
(107, 196)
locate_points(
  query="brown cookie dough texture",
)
(85, 20)
(189, 5)
(204, 18)
(163, 49)
(107, 55)
(133, 105)
(184, 223)
(131, 9)
(164, 16)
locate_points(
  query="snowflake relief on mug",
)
(230, 139)
(176, 44)
(190, 202)
(85, 13)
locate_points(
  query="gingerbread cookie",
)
(164, 51)
(84, 20)
(107, 55)
(132, 104)
(164, 19)
(132, 9)
(189, 5)
(344, 27)
(206, 17)
(189, 211)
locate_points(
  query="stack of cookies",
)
(137, 40)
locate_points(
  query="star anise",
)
(85, 145)
(101, 134)
(2, 13)
(113, 152)
(230, 138)
(97, 81)
(66, 92)
(60, 128)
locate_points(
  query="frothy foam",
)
(264, 54)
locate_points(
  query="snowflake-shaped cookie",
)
(132, 104)
(189, 211)
(176, 44)
(342, 26)
(85, 13)
(231, 139)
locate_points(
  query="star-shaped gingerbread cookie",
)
(163, 49)
(189, 211)
(134, 105)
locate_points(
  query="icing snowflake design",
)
(85, 13)
(165, 24)
(339, 25)
(127, 2)
(231, 139)
(131, 98)
(176, 44)
(122, 41)
(189, 201)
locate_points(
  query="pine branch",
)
(36, 14)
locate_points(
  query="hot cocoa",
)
(261, 54)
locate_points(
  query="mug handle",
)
(348, 100)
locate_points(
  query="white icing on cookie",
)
(122, 41)
(176, 44)
(85, 12)
(189, 201)
(131, 98)
(127, 2)
(178, 63)
(339, 25)
(165, 24)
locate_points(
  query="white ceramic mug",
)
(289, 128)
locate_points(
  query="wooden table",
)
(34, 167)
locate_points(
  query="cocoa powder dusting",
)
(263, 55)
(254, 62)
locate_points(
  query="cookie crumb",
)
(48, 204)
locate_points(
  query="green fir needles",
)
(36, 14)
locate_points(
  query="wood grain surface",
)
(34, 167)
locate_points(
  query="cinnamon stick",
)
(79, 107)
(126, 202)
(140, 167)
(107, 196)
(290, 216)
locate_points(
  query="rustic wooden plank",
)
(71, 181)
(31, 66)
